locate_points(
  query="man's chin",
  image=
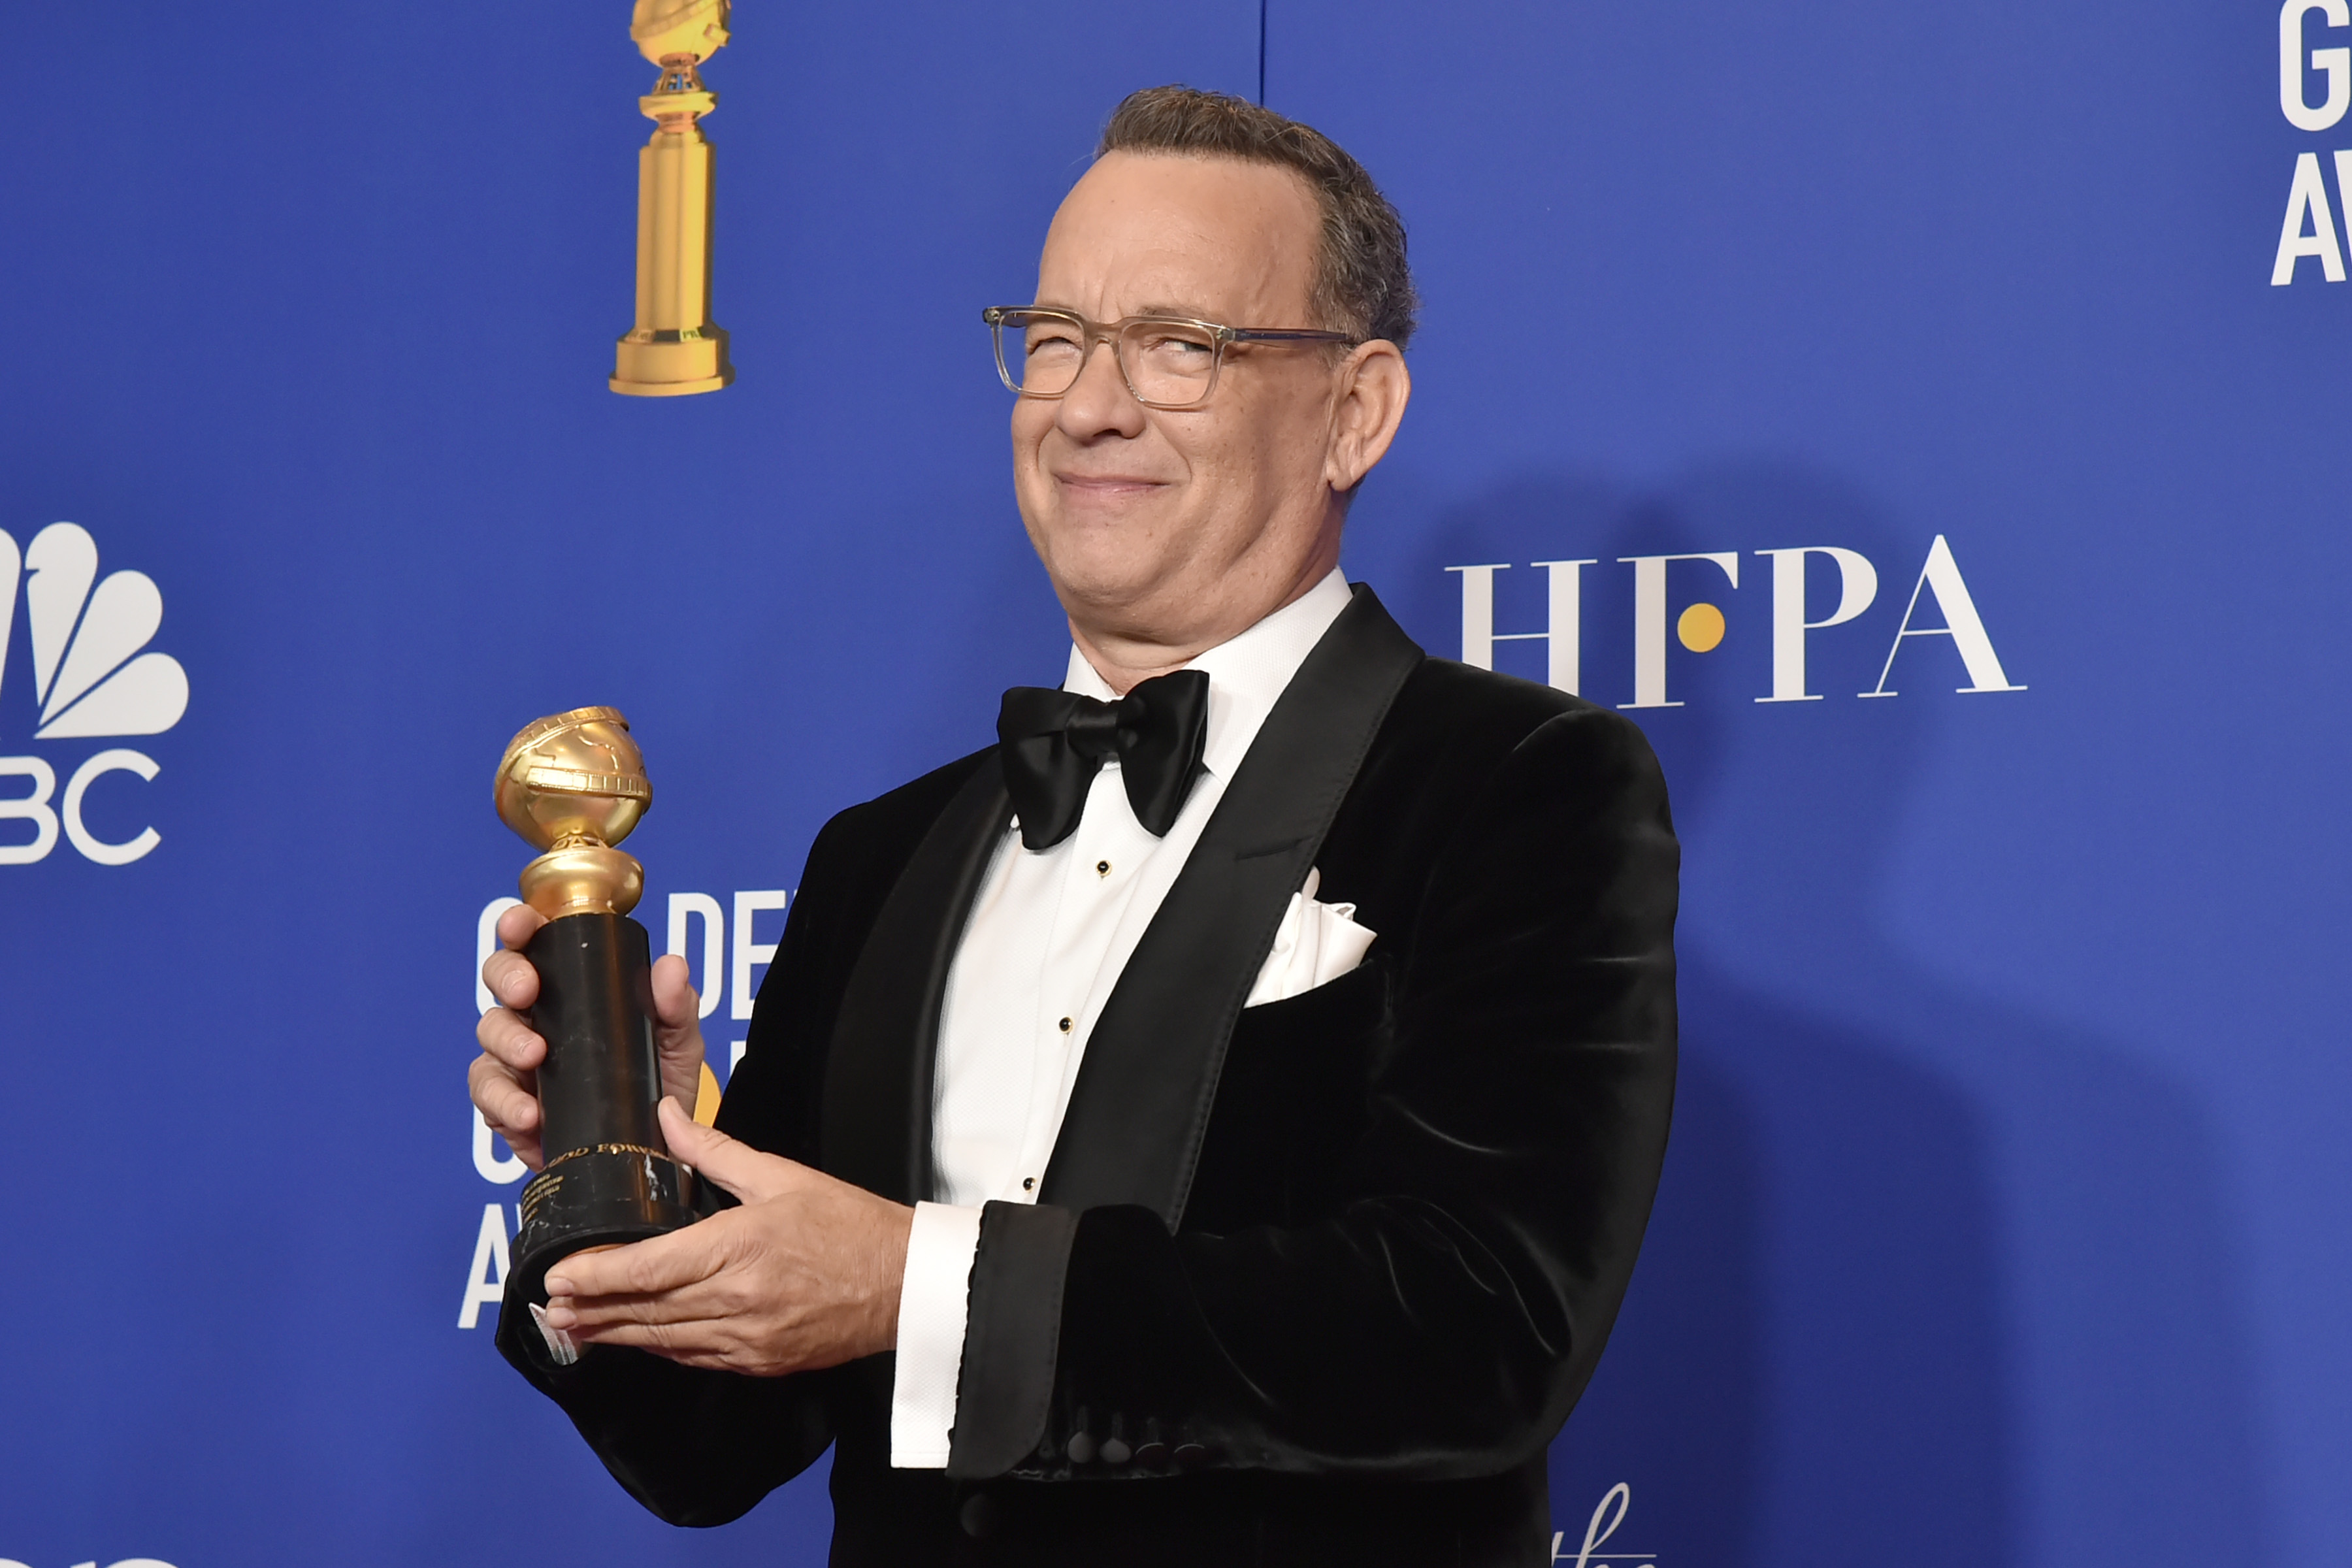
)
(1106, 590)
(1110, 553)
(1105, 586)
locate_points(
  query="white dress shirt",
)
(1050, 932)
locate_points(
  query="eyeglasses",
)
(1168, 362)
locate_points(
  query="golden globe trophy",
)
(573, 785)
(674, 348)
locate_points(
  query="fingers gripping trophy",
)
(573, 785)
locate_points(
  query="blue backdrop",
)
(2005, 1215)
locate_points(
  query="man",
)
(1216, 1124)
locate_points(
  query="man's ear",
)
(1373, 388)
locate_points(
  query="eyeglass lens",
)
(1165, 362)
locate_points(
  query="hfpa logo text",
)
(1700, 625)
(91, 680)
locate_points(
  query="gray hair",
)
(1362, 284)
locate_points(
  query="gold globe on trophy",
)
(573, 785)
(674, 348)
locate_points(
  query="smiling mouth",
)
(1107, 484)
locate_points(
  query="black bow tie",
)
(1053, 743)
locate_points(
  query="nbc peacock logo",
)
(92, 678)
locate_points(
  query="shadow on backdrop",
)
(1930, 1280)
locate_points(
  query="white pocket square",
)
(1317, 944)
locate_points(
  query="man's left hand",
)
(804, 1275)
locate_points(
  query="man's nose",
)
(1099, 401)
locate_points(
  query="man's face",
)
(1182, 527)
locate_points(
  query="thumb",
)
(674, 1002)
(742, 1169)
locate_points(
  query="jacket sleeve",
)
(694, 1446)
(1443, 1317)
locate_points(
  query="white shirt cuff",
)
(933, 1301)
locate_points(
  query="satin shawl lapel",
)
(876, 1128)
(1141, 1101)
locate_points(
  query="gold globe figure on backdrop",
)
(662, 28)
(674, 348)
(574, 785)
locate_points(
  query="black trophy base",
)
(607, 1194)
(609, 1178)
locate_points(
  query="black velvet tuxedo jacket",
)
(1311, 1282)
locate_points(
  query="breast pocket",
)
(1292, 1099)
(1352, 1002)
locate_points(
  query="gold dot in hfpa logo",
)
(92, 678)
(1700, 627)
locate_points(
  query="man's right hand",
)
(504, 1079)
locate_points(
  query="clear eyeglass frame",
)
(1124, 336)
